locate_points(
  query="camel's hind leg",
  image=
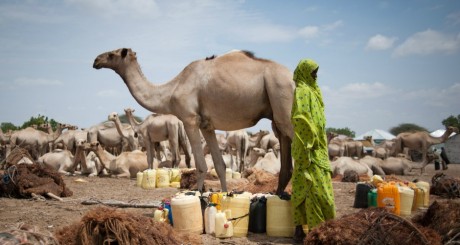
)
(219, 164)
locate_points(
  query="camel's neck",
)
(105, 157)
(439, 140)
(151, 97)
(54, 135)
(132, 121)
(118, 126)
(256, 138)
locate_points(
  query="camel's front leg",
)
(219, 164)
(150, 153)
(193, 134)
(286, 164)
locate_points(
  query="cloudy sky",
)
(382, 63)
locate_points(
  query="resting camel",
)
(64, 162)
(228, 92)
(403, 166)
(125, 165)
(157, 128)
(342, 164)
(420, 141)
(269, 141)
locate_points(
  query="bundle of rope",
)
(445, 186)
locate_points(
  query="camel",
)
(375, 164)
(384, 149)
(242, 142)
(35, 140)
(238, 141)
(342, 164)
(157, 128)
(266, 161)
(4, 138)
(106, 134)
(70, 139)
(403, 166)
(420, 141)
(221, 141)
(353, 148)
(64, 162)
(125, 131)
(125, 165)
(228, 92)
(269, 141)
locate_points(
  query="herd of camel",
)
(230, 92)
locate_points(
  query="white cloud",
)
(117, 7)
(428, 42)
(380, 42)
(311, 32)
(23, 81)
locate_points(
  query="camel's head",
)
(113, 116)
(451, 130)
(114, 59)
(129, 111)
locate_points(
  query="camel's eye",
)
(110, 56)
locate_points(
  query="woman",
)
(312, 192)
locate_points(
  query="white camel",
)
(157, 128)
(267, 161)
(125, 165)
(238, 142)
(228, 92)
(270, 141)
(342, 164)
(106, 134)
(126, 131)
(64, 162)
(71, 138)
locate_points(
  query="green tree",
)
(452, 121)
(406, 127)
(8, 126)
(40, 119)
(345, 131)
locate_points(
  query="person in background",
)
(444, 157)
(312, 192)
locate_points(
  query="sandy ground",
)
(51, 215)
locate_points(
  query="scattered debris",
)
(443, 216)
(23, 180)
(371, 226)
(26, 234)
(121, 204)
(105, 225)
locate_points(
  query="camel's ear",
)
(124, 52)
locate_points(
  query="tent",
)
(378, 135)
(438, 133)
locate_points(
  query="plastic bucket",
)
(279, 217)
(187, 214)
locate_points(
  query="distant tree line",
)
(41, 119)
(404, 127)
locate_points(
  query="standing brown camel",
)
(420, 141)
(228, 92)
